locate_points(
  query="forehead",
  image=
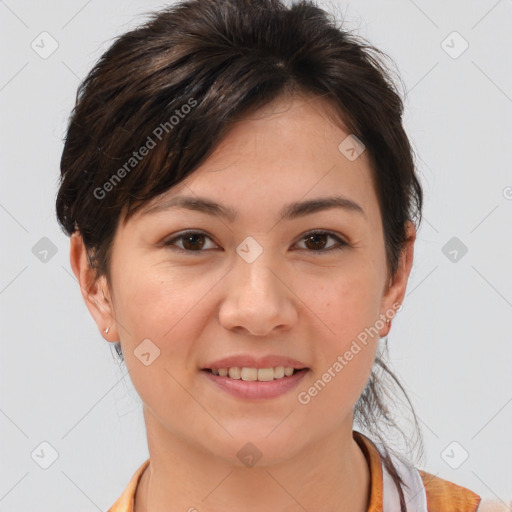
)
(287, 151)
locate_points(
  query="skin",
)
(292, 300)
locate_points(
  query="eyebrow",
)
(288, 212)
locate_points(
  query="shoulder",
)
(445, 496)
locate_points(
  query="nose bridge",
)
(253, 272)
(256, 298)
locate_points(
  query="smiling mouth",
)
(255, 374)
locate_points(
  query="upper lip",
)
(248, 361)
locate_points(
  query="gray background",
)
(451, 344)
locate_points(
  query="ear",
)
(395, 292)
(94, 290)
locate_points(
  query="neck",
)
(180, 477)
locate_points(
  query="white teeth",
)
(252, 374)
(234, 373)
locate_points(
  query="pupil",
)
(317, 245)
(193, 245)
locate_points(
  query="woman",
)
(242, 204)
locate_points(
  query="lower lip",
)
(257, 389)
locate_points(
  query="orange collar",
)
(126, 501)
(374, 461)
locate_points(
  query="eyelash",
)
(341, 243)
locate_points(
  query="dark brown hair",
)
(161, 98)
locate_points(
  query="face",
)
(305, 286)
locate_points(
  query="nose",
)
(259, 298)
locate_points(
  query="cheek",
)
(166, 306)
(345, 346)
(345, 301)
(343, 309)
(152, 299)
(158, 306)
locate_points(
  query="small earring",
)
(106, 330)
(388, 321)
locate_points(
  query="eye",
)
(194, 241)
(316, 241)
